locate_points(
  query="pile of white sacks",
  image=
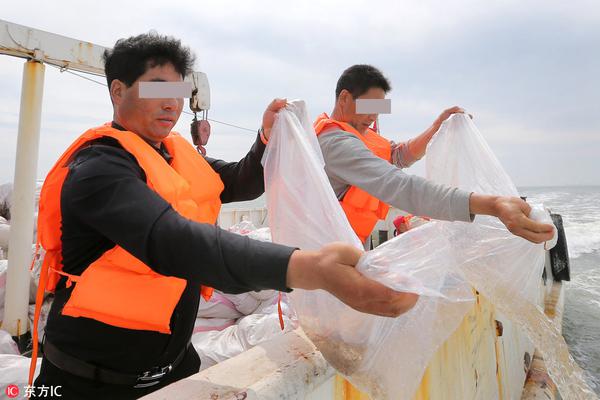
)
(5, 198)
(226, 325)
(14, 368)
(229, 324)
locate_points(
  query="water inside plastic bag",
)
(442, 261)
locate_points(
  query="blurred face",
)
(347, 106)
(152, 119)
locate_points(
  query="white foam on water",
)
(582, 238)
(580, 210)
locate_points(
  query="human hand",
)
(269, 115)
(513, 212)
(448, 112)
(332, 268)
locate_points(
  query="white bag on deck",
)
(7, 344)
(14, 370)
(4, 236)
(6, 190)
(227, 341)
(229, 324)
(3, 275)
(386, 357)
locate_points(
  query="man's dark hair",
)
(133, 56)
(358, 79)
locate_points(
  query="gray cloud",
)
(526, 70)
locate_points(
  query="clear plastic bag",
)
(506, 269)
(386, 357)
(307, 213)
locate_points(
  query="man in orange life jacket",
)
(127, 219)
(365, 172)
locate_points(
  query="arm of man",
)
(414, 149)
(402, 157)
(106, 190)
(349, 162)
(243, 180)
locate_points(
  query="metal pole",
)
(22, 209)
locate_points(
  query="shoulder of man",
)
(104, 156)
(336, 133)
(339, 138)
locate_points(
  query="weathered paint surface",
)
(287, 367)
(484, 359)
(464, 367)
(22, 41)
(539, 385)
(345, 391)
(21, 234)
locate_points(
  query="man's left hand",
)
(269, 115)
(452, 110)
(514, 214)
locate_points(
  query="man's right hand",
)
(332, 269)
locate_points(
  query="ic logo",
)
(12, 391)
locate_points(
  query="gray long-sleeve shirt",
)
(349, 162)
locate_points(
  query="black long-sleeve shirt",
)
(105, 201)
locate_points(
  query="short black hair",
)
(133, 56)
(358, 79)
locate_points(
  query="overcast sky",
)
(528, 70)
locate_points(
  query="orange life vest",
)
(140, 298)
(362, 209)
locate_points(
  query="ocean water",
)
(580, 209)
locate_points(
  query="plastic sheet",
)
(14, 370)
(386, 357)
(7, 344)
(218, 345)
(504, 268)
(247, 228)
(304, 212)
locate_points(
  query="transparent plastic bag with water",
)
(441, 261)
